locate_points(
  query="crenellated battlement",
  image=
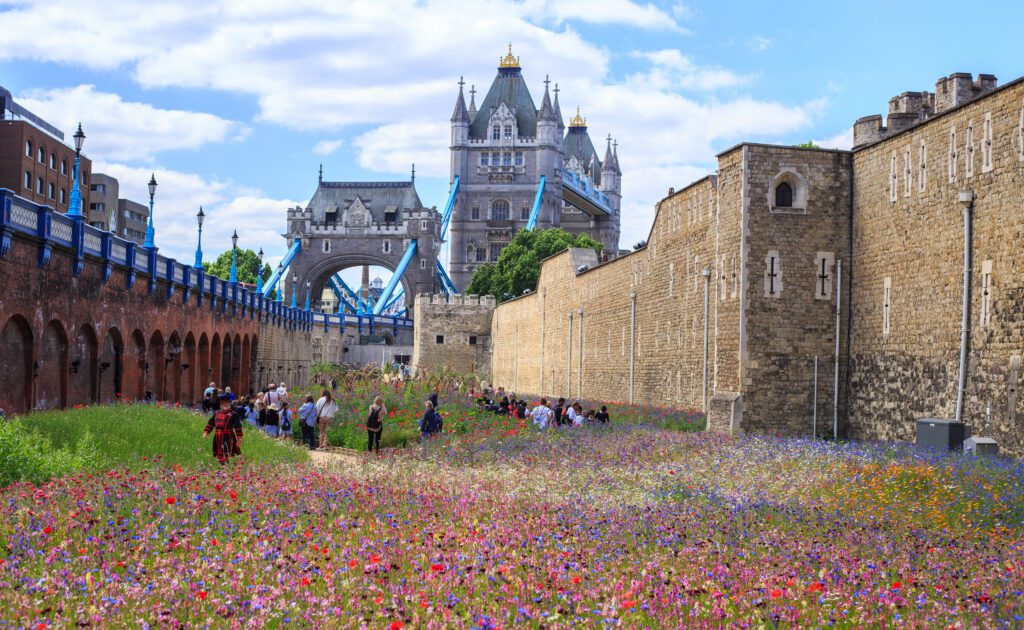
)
(911, 108)
(487, 301)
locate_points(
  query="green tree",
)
(808, 145)
(248, 262)
(518, 266)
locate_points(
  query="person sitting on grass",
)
(227, 431)
(541, 414)
(430, 423)
(602, 416)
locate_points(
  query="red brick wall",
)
(14, 163)
(73, 340)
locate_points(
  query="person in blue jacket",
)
(430, 423)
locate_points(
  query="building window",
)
(519, 158)
(496, 132)
(772, 275)
(496, 251)
(325, 246)
(53, 161)
(28, 181)
(28, 148)
(886, 305)
(784, 195)
(423, 226)
(41, 155)
(63, 167)
(39, 185)
(508, 132)
(472, 340)
(892, 177)
(986, 145)
(474, 213)
(823, 275)
(484, 158)
(922, 156)
(423, 263)
(481, 254)
(907, 174)
(506, 159)
(439, 339)
(969, 168)
(386, 247)
(952, 155)
(524, 213)
(986, 293)
(85, 177)
(63, 196)
(499, 210)
(50, 191)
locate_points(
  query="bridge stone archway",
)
(349, 224)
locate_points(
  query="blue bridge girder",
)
(446, 282)
(581, 192)
(396, 277)
(286, 262)
(535, 211)
(343, 292)
(449, 206)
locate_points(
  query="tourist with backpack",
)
(307, 418)
(286, 420)
(326, 407)
(375, 424)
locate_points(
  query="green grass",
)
(119, 436)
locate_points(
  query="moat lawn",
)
(627, 525)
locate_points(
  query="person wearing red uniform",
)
(226, 427)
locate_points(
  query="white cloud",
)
(842, 140)
(119, 130)
(645, 16)
(682, 12)
(260, 220)
(327, 147)
(671, 69)
(760, 43)
(394, 148)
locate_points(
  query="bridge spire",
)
(413, 172)
(321, 180)
(472, 99)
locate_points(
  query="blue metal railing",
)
(585, 187)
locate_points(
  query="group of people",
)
(563, 413)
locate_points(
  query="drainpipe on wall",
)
(835, 377)
(632, 343)
(707, 291)
(967, 201)
(568, 366)
(579, 372)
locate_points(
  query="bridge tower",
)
(503, 151)
(356, 224)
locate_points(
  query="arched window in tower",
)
(499, 210)
(784, 195)
(28, 148)
(496, 132)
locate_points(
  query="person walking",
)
(307, 417)
(226, 426)
(433, 396)
(286, 420)
(430, 423)
(542, 414)
(326, 407)
(375, 424)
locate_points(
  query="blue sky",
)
(235, 104)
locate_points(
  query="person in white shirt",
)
(577, 415)
(541, 414)
(325, 410)
(570, 415)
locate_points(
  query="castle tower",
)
(499, 152)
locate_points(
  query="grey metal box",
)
(939, 434)
(981, 446)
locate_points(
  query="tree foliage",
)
(808, 145)
(518, 265)
(248, 262)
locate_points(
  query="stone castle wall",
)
(915, 245)
(453, 333)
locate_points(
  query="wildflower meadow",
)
(631, 524)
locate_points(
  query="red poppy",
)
(626, 605)
(352, 564)
(816, 587)
(378, 599)
(776, 593)
(896, 585)
(201, 594)
(576, 579)
(397, 625)
(47, 529)
(374, 558)
(305, 581)
(437, 567)
(170, 500)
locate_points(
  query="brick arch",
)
(16, 372)
(204, 370)
(52, 380)
(111, 366)
(216, 357)
(172, 368)
(224, 374)
(188, 370)
(82, 367)
(246, 367)
(236, 365)
(154, 366)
